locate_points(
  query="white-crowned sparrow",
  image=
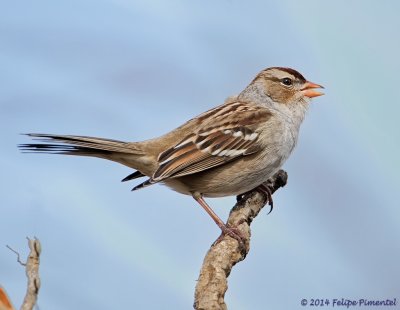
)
(228, 150)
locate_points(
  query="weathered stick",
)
(32, 273)
(221, 257)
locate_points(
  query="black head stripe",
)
(291, 71)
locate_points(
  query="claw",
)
(265, 190)
(235, 233)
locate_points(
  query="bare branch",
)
(32, 273)
(18, 256)
(221, 257)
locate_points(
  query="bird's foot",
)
(263, 189)
(235, 233)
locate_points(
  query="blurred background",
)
(132, 70)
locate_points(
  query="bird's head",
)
(286, 85)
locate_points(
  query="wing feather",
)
(226, 133)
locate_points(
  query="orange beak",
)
(308, 90)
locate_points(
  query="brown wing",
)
(227, 133)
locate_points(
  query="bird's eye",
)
(287, 81)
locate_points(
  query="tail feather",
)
(129, 154)
(126, 153)
(77, 145)
(61, 149)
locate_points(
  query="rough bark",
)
(223, 255)
(32, 273)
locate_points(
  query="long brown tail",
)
(126, 153)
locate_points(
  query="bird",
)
(228, 150)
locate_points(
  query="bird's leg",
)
(263, 189)
(226, 230)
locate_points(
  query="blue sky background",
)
(131, 70)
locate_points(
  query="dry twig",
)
(32, 273)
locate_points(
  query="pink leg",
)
(226, 230)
